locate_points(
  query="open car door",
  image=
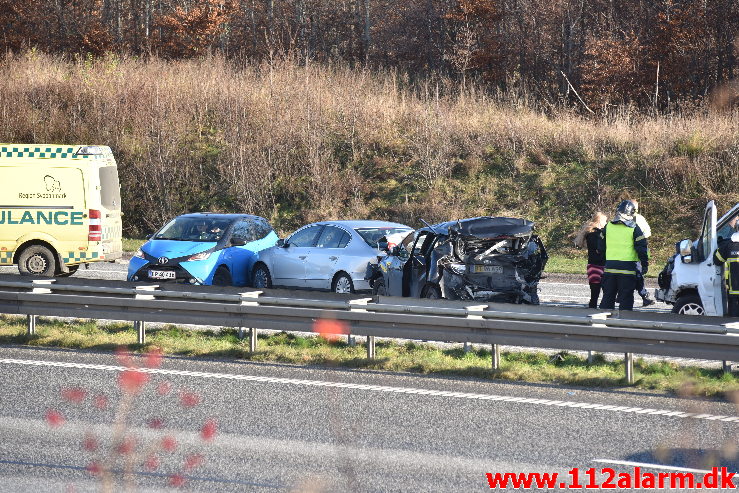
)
(710, 286)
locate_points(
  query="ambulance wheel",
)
(689, 304)
(72, 270)
(37, 260)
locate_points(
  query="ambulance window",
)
(110, 190)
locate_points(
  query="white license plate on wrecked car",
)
(487, 269)
(162, 274)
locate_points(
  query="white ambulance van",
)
(60, 207)
(691, 281)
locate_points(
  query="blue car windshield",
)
(373, 235)
(193, 229)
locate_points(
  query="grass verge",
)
(130, 245)
(562, 368)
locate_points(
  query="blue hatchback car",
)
(203, 248)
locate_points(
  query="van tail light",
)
(95, 232)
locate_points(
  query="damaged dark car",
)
(481, 258)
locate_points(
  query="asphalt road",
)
(556, 288)
(288, 428)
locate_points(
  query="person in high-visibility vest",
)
(727, 254)
(624, 244)
(644, 225)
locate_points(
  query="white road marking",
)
(651, 466)
(584, 284)
(377, 388)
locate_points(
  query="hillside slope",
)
(301, 143)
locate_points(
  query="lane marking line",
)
(651, 466)
(143, 473)
(380, 388)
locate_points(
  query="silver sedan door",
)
(288, 262)
(323, 258)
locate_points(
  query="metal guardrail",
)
(404, 318)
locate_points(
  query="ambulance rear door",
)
(110, 212)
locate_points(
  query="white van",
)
(60, 207)
(691, 281)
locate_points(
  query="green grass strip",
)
(561, 368)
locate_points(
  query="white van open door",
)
(710, 281)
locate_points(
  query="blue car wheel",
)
(222, 277)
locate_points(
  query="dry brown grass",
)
(297, 143)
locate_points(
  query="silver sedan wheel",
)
(343, 285)
(691, 309)
(261, 278)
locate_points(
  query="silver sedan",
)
(325, 255)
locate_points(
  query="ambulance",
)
(691, 281)
(60, 207)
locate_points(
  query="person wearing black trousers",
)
(727, 254)
(588, 237)
(623, 243)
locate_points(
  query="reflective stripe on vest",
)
(620, 243)
(730, 283)
(620, 271)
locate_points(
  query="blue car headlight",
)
(199, 256)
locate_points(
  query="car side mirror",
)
(238, 241)
(382, 246)
(685, 247)
(281, 243)
(149, 236)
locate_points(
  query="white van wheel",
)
(37, 260)
(689, 304)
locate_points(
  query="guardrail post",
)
(629, 366)
(726, 366)
(250, 298)
(143, 293)
(253, 340)
(40, 286)
(475, 312)
(140, 328)
(496, 356)
(370, 347)
(359, 306)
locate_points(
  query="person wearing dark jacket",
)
(727, 254)
(588, 238)
(623, 244)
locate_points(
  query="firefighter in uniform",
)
(624, 245)
(727, 254)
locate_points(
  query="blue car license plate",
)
(162, 274)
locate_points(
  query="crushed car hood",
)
(490, 259)
(487, 227)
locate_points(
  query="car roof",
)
(485, 227)
(216, 215)
(365, 224)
